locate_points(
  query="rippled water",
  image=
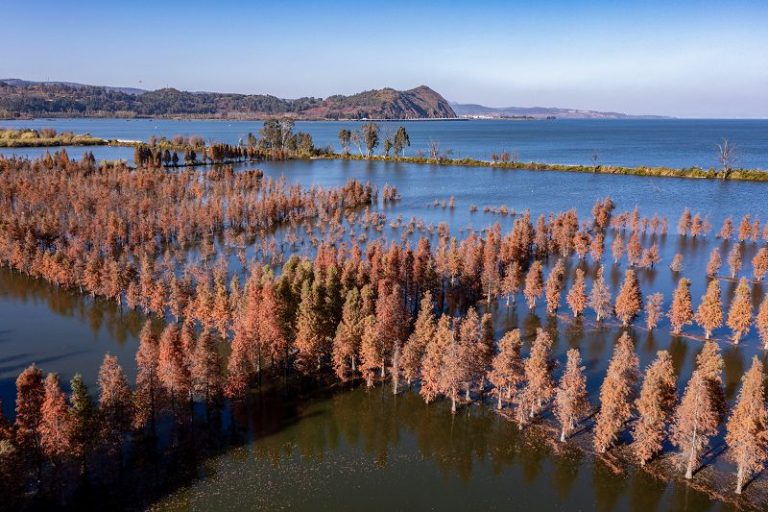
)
(672, 142)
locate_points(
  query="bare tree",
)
(726, 156)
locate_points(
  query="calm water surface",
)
(672, 142)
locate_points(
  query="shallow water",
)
(369, 450)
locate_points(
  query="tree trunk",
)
(691, 458)
(739, 479)
(498, 404)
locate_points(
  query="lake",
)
(353, 449)
(640, 142)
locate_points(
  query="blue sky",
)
(688, 58)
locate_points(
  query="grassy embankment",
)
(46, 137)
(41, 138)
(669, 172)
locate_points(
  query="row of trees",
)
(368, 136)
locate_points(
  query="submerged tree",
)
(696, 421)
(681, 311)
(616, 394)
(654, 407)
(83, 420)
(507, 368)
(114, 404)
(554, 287)
(416, 345)
(709, 314)
(432, 362)
(55, 426)
(534, 284)
(761, 322)
(346, 343)
(740, 314)
(747, 435)
(148, 388)
(714, 264)
(30, 393)
(571, 398)
(539, 386)
(577, 296)
(600, 296)
(629, 301)
(653, 310)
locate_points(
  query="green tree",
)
(401, 141)
(370, 133)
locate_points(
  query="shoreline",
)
(715, 483)
(754, 175)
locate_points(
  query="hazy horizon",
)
(689, 59)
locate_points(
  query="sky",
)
(687, 58)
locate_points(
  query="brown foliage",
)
(571, 397)
(616, 394)
(681, 310)
(654, 407)
(740, 313)
(629, 301)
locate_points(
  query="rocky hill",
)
(19, 98)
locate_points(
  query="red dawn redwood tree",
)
(30, 394)
(734, 260)
(577, 296)
(55, 425)
(740, 314)
(760, 264)
(423, 332)
(600, 296)
(747, 435)
(616, 394)
(239, 368)
(346, 343)
(453, 373)
(714, 264)
(629, 301)
(571, 397)
(761, 322)
(148, 390)
(370, 350)
(539, 387)
(114, 404)
(681, 312)
(206, 369)
(507, 368)
(655, 406)
(554, 287)
(432, 362)
(172, 367)
(696, 421)
(653, 310)
(709, 314)
(534, 284)
(83, 420)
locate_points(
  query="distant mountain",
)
(25, 83)
(481, 111)
(21, 98)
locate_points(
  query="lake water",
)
(668, 142)
(358, 449)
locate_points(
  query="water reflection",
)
(369, 449)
